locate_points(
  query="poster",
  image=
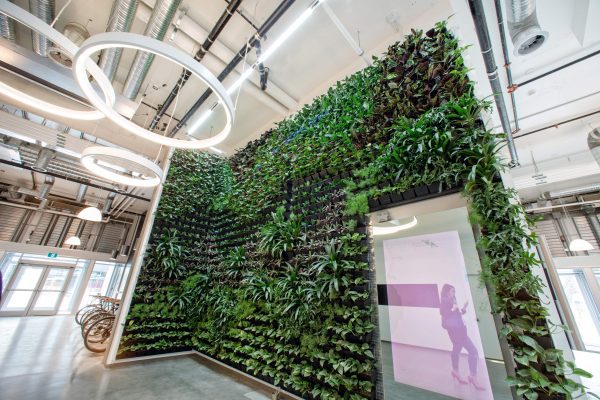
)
(436, 344)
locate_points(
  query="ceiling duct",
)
(594, 143)
(7, 27)
(76, 33)
(44, 10)
(523, 26)
(157, 27)
(45, 188)
(573, 191)
(45, 155)
(81, 191)
(121, 18)
(108, 203)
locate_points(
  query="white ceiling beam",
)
(584, 23)
(223, 54)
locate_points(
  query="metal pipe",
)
(68, 178)
(46, 187)
(7, 27)
(552, 71)
(108, 203)
(483, 35)
(265, 27)
(157, 27)
(185, 74)
(556, 125)
(509, 78)
(19, 205)
(44, 10)
(121, 18)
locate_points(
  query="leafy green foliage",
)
(285, 297)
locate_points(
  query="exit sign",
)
(52, 255)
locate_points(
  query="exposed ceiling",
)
(318, 55)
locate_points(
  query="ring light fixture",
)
(90, 158)
(39, 26)
(395, 227)
(135, 41)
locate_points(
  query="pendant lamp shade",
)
(90, 214)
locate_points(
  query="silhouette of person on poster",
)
(453, 323)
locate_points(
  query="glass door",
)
(51, 291)
(35, 290)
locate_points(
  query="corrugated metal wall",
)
(109, 233)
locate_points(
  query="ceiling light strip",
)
(90, 160)
(37, 25)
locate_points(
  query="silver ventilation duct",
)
(121, 18)
(45, 188)
(45, 155)
(76, 33)
(7, 27)
(594, 143)
(44, 10)
(81, 193)
(157, 27)
(573, 191)
(523, 26)
(108, 203)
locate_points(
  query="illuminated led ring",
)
(37, 25)
(134, 41)
(89, 158)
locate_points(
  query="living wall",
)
(261, 260)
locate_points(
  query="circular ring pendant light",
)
(39, 26)
(90, 158)
(135, 41)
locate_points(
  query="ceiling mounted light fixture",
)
(37, 25)
(395, 227)
(265, 55)
(90, 158)
(90, 214)
(135, 41)
(580, 245)
(73, 241)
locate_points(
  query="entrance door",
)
(35, 290)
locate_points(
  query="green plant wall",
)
(261, 260)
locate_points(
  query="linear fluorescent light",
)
(265, 55)
(388, 230)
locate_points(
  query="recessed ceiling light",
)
(395, 226)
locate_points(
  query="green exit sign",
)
(52, 255)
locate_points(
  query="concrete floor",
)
(43, 358)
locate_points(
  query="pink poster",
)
(435, 339)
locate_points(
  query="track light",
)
(90, 214)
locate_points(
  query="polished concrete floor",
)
(43, 358)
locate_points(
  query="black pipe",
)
(72, 179)
(483, 36)
(185, 74)
(595, 53)
(241, 13)
(556, 125)
(507, 68)
(265, 27)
